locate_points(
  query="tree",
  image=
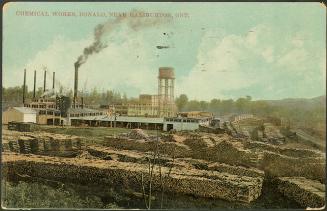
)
(204, 105)
(227, 106)
(215, 106)
(193, 105)
(181, 102)
(125, 99)
(240, 104)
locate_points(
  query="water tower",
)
(166, 83)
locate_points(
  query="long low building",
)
(184, 123)
(149, 123)
(91, 117)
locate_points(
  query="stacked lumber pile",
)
(226, 151)
(169, 148)
(199, 183)
(273, 134)
(138, 134)
(293, 152)
(278, 165)
(85, 155)
(308, 193)
(42, 143)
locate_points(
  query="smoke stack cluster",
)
(53, 80)
(45, 80)
(34, 88)
(24, 86)
(75, 83)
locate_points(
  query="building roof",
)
(188, 118)
(82, 111)
(124, 119)
(25, 110)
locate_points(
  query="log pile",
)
(199, 183)
(42, 143)
(278, 165)
(169, 148)
(293, 152)
(308, 193)
(138, 134)
(273, 134)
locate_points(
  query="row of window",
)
(181, 120)
(44, 112)
(39, 106)
(85, 114)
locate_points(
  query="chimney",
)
(45, 80)
(75, 84)
(53, 80)
(24, 86)
(82, 99)
(34, 84)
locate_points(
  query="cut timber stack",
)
(138, 134)
(308, 193)
(278, 165)
(199, 183)
(13, 146)
(43, 143)
(169, 148)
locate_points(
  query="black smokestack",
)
(76, 65)
(82, 99)
(34, 84)
(45, 80)
(53, 80)
(24, 86)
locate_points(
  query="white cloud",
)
(57, 57)
(124, 65)
(255, 59)
(292, 57)
(225, 65)
(268, 54)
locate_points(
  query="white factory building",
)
(19, 114)
(165, 124)
(182, 123)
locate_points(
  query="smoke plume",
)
(134, 23)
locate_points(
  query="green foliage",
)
(37, 195)
(181, 102)
(310, 116)
(193, 105)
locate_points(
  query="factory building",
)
(49, 109)
(148, 123)
(183, 123)
(195, 114)
(147, 106)
(160, 105)
(19, 114)
(47, 113)
(148, 112)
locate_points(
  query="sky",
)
(218, 50)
